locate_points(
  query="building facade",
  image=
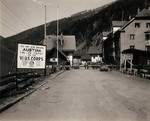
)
(66, 47)
(135, 35)
(111, 43)
(96, 53)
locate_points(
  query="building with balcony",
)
(135, 35)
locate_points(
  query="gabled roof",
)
(86, 57)
(79, 53)
(66, 43)
(143, 13)
(138, 52)
(95, 50)
(50, 53)
(128, 23)
(118, 23)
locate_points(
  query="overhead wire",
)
(15, 14)
(19, 17)
(9, 27)
(7, 15)
(25, 20)
(9, 24)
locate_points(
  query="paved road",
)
(86, 95)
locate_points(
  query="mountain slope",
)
(6, 60)
(84, 25)
(1, 37)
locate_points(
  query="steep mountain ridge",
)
(1, 37)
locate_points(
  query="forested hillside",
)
(1, 37)
(84, 25)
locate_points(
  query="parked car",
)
(67, 65)
(75, 66)
(105, 68)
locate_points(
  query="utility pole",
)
(57, 33)
(45, 24)
(121, 56)
(45, 38)
(122, 17)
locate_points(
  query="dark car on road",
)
(75, 66)
(105, 68)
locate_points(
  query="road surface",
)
(86, 95)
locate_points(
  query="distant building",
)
(108, 50)
(66, 47)
(77, 56)
(85, 58)
(105, 35)
(110, 41)
(117, 25)
(96, 53)
(79, 52)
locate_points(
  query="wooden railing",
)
(142, 72)
(12, 82)
(15, 82)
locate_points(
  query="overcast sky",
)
(20, 15)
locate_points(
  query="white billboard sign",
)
(31, 56)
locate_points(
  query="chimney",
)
(138, 11)
(129, 17)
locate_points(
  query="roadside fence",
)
(11, 83)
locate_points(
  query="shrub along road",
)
(86, 95)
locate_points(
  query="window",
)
(147, 48)
(132, 36)
(148, 62)
(132, 46)
(93, 56)
(148, 25)
(60, 42)
(147, 37)
(137, 25)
